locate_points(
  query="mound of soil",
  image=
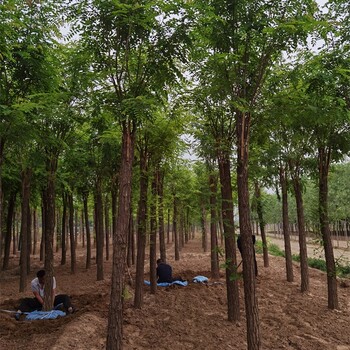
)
(192, 317)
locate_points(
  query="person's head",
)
(41, 276)
(159, 261)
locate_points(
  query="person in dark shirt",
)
(165, 273)
(239, 244)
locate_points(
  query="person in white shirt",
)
(38, 289)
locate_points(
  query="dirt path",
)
(341, 248)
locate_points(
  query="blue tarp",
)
(44, 315)
(165, 284)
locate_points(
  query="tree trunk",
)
(203, 226)
(287, 245)
(99, 229)
(304, 268)
(214, 256)
(233, 311)
(2, 147)
(130, 251)
(324, 157)
(251, 302)
(106, 208)
(29, 238)
(141, 231)
(153, 235)
(160, 193)
(49, 209)
(115, 315)
(87, 229)
(63, 231)
(9, 223)
(73, 257)
(26, 177)
(175, 234)
(259, 210)
(43, 218)
(168, 227)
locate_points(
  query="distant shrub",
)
(275, 250)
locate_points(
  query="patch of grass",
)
(343, 271)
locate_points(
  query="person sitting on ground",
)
(38, 289)
(165, 273)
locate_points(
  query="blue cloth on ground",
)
(44, 315)
(200, 279)
(166, 284)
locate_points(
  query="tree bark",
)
(141, 231)
(49, 209)
(160, 193)
(175, 231)
(73, 257)
(233, 310)
(324, 156)
(87, 229)
(259, 210)
(63, 230)
(285, 219)
(214, 256)
(251, 302)
(99, 229)
(153, 235)
(115, 315)
(26, 178)
(304, 268)
(106, 208)
(8, 235)
(203, 226)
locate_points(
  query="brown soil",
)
(192, 317)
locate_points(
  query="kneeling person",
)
(38, 289)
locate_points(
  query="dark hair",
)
(40, 273)
(159, 261)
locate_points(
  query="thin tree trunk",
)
(175, 234)
(153, 235)
(43, 229)
(251, 301)
(2, 147)
(115, 315)
(304, 268)
(160, 192)
(63, 230)
(87, 229)
(204, 229)
(233, 311)
(58, 232)
(168, 227)
(259, 210)
(106, 208)
(141, 231)
(29, 238)
(35, 230)
(286, 235)
(214, 255)
(99, 229)
(73, 257)
(49, 205)
(324, 156)
(9, 223)
(26, 177)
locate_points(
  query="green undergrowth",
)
(343, 271)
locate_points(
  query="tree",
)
(134, 54)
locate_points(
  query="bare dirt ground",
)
(192, 317)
